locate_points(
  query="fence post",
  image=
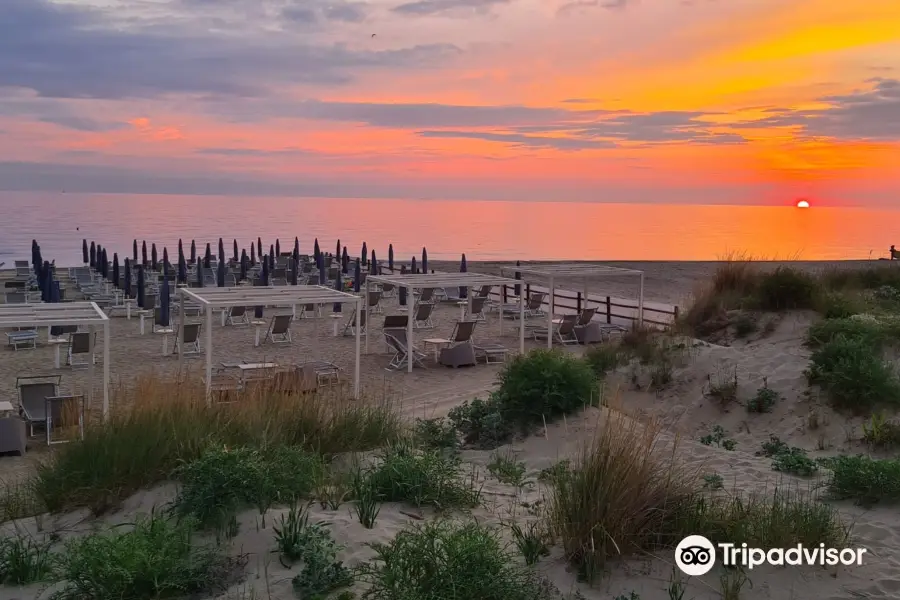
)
(608, 310)
(578, 302)
(528, 291)
(503, 293)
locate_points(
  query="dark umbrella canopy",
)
(402, 293)
(412, 266)
(316, 252)
(259, 251)
(140, 286)
(424, 260)
(295, 271)
(364, 255)
(44, 278)
(277, 247)
(128, 291)
(272, 256)
(236, 255)
(322, 274)
(105, 264)
(55, 292)
(263, 280)
(182, 268)
(207, 257)
(166, 258)
(221, 254)
(99, 259)
(144, 253)
(85, 257)
(357, 276)
(391, 257)
(373, 264)
(193, 251)
(345, 261)
(244, 264)
(296, 247)
(337, 252)
(134, 254)
(199, 273)
(252, 254)
(463, 267)
(220, 276)
(115, 274)
(154, 258)
(93, 256)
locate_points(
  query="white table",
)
(462, 304)
(165, 342)
(335, 317)
(56, 343)
(258, 325)
(251, 367)
(438, 343)
(6, 407)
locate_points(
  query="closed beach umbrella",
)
(85, 257)
(244, 265)
(252, 255)
(180, 250)
(316, 252)
(140, 286)
(38, 259)
(166, 258)
(199, 273)
(99, 263)
(55, 292)
(207, 258)
(272, 256)
(264, 280)
(259, 251)
(424, 260)
(93, 256)
(463, 291)
(295, 271)
(296, 247)
(391, 257)
(164, 299)
(236, 257)
(345, 261)
(337, 252)
(518, 275)
(105, 264)
(364, 255)
(154, 258)
(339, 286)
(220, 276)
(373, 265)
(182, 267)
(193, 251)
(43, 277)
(128, 292)
(221, 254)
(322, 274)
(277, 247)
(134, 254)
(412, 265)
(144, 253)
(116, 281)
(357, 277)
(402, 293)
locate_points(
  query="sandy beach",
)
(774, 357)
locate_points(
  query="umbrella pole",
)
(105, 370)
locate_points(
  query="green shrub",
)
(864, 479)
(764, 400)
(837, 306)
(788, 459)
(603, 358)
(24, 560)
(718, 438)
(222, 481)
(854, 376)
(436, 434)
(322, 573)
(745, 324)
(531, 541)
(543, 384)
(506, 469)
(873, 332)
(156, 559)
(713, 481)
(481, 422)
(787, 289)
(421, 477)
(556, 471)
(879, 432)
(448, 561)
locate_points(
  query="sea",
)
(482, 230)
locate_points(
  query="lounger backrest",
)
(463, 331)
(238, 311)
(478, 304)
(568, 324)
(313, 279)
(426, 295)
(32, 398)
(360, 318)
(586, 315)
(390, 337)
(191, 333)
(149, 301)
(20, 264)
(484, 292)
(280, 324)
(399, 336)
(58, 330)
(374, 298)
(396, 322)
(387, 287)
(536, 300)
(80, 342)
(423, 311)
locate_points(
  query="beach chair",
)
(308, 311)
(297, 379)
(422, 317)
(350, 327)
(191, 339)
(40, 402)
(13, 435)
(22, 337)
(157, 324)
(586, 330)
(425, 296)
(397, 341)
(476, 310)
(564, 331)
(327, 372)
(279, 331)
(16, 298)
(491, 352)
(461, 352)
(388, 290)
(237, 315)
(81, 343)
(395, 322)
(534, 307)
(375, 302)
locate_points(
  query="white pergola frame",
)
(50, 314)
(550, 272)
(440, 280)
(287, 296)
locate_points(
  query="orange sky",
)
(754, 101)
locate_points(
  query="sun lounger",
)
(326, 372)
(33, 393)
(13, 435)
(461, 352)
(396, 340)
(22, 338)
(350, 327)
(237, 315)
(279, 331)
(475, 311)
(375, 302)
(191, 339)
(563, 332)
(81, 343)
(491, 352)
(422, 317)
(533, 307)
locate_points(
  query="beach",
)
(773, 357)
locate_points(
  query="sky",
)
(697, 101)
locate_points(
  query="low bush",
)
(222, 481)
(786, 288)
(855, 376)
(718, 438)
(863, 479)
(482, 422)
(156, 559)
(311, 543)
(168, 423)
(421, 477)
(449, 561)
(879, 432)
(24, 560)
(838, 306)
(532, 541)
(436, 434)
(603, 358)
(745, 324)
(788, 459)
(764, 401)
(873, 332)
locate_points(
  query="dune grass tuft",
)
(863, 479)
(164, 424)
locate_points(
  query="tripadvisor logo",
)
(695, 555)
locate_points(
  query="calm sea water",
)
(481, 230)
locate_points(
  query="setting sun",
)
(802, 204)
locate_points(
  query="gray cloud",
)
(578, 5)
(434, 7)
(871, 114)
(82, 123)
(254, 152)
(521, 140)
(65, 50)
